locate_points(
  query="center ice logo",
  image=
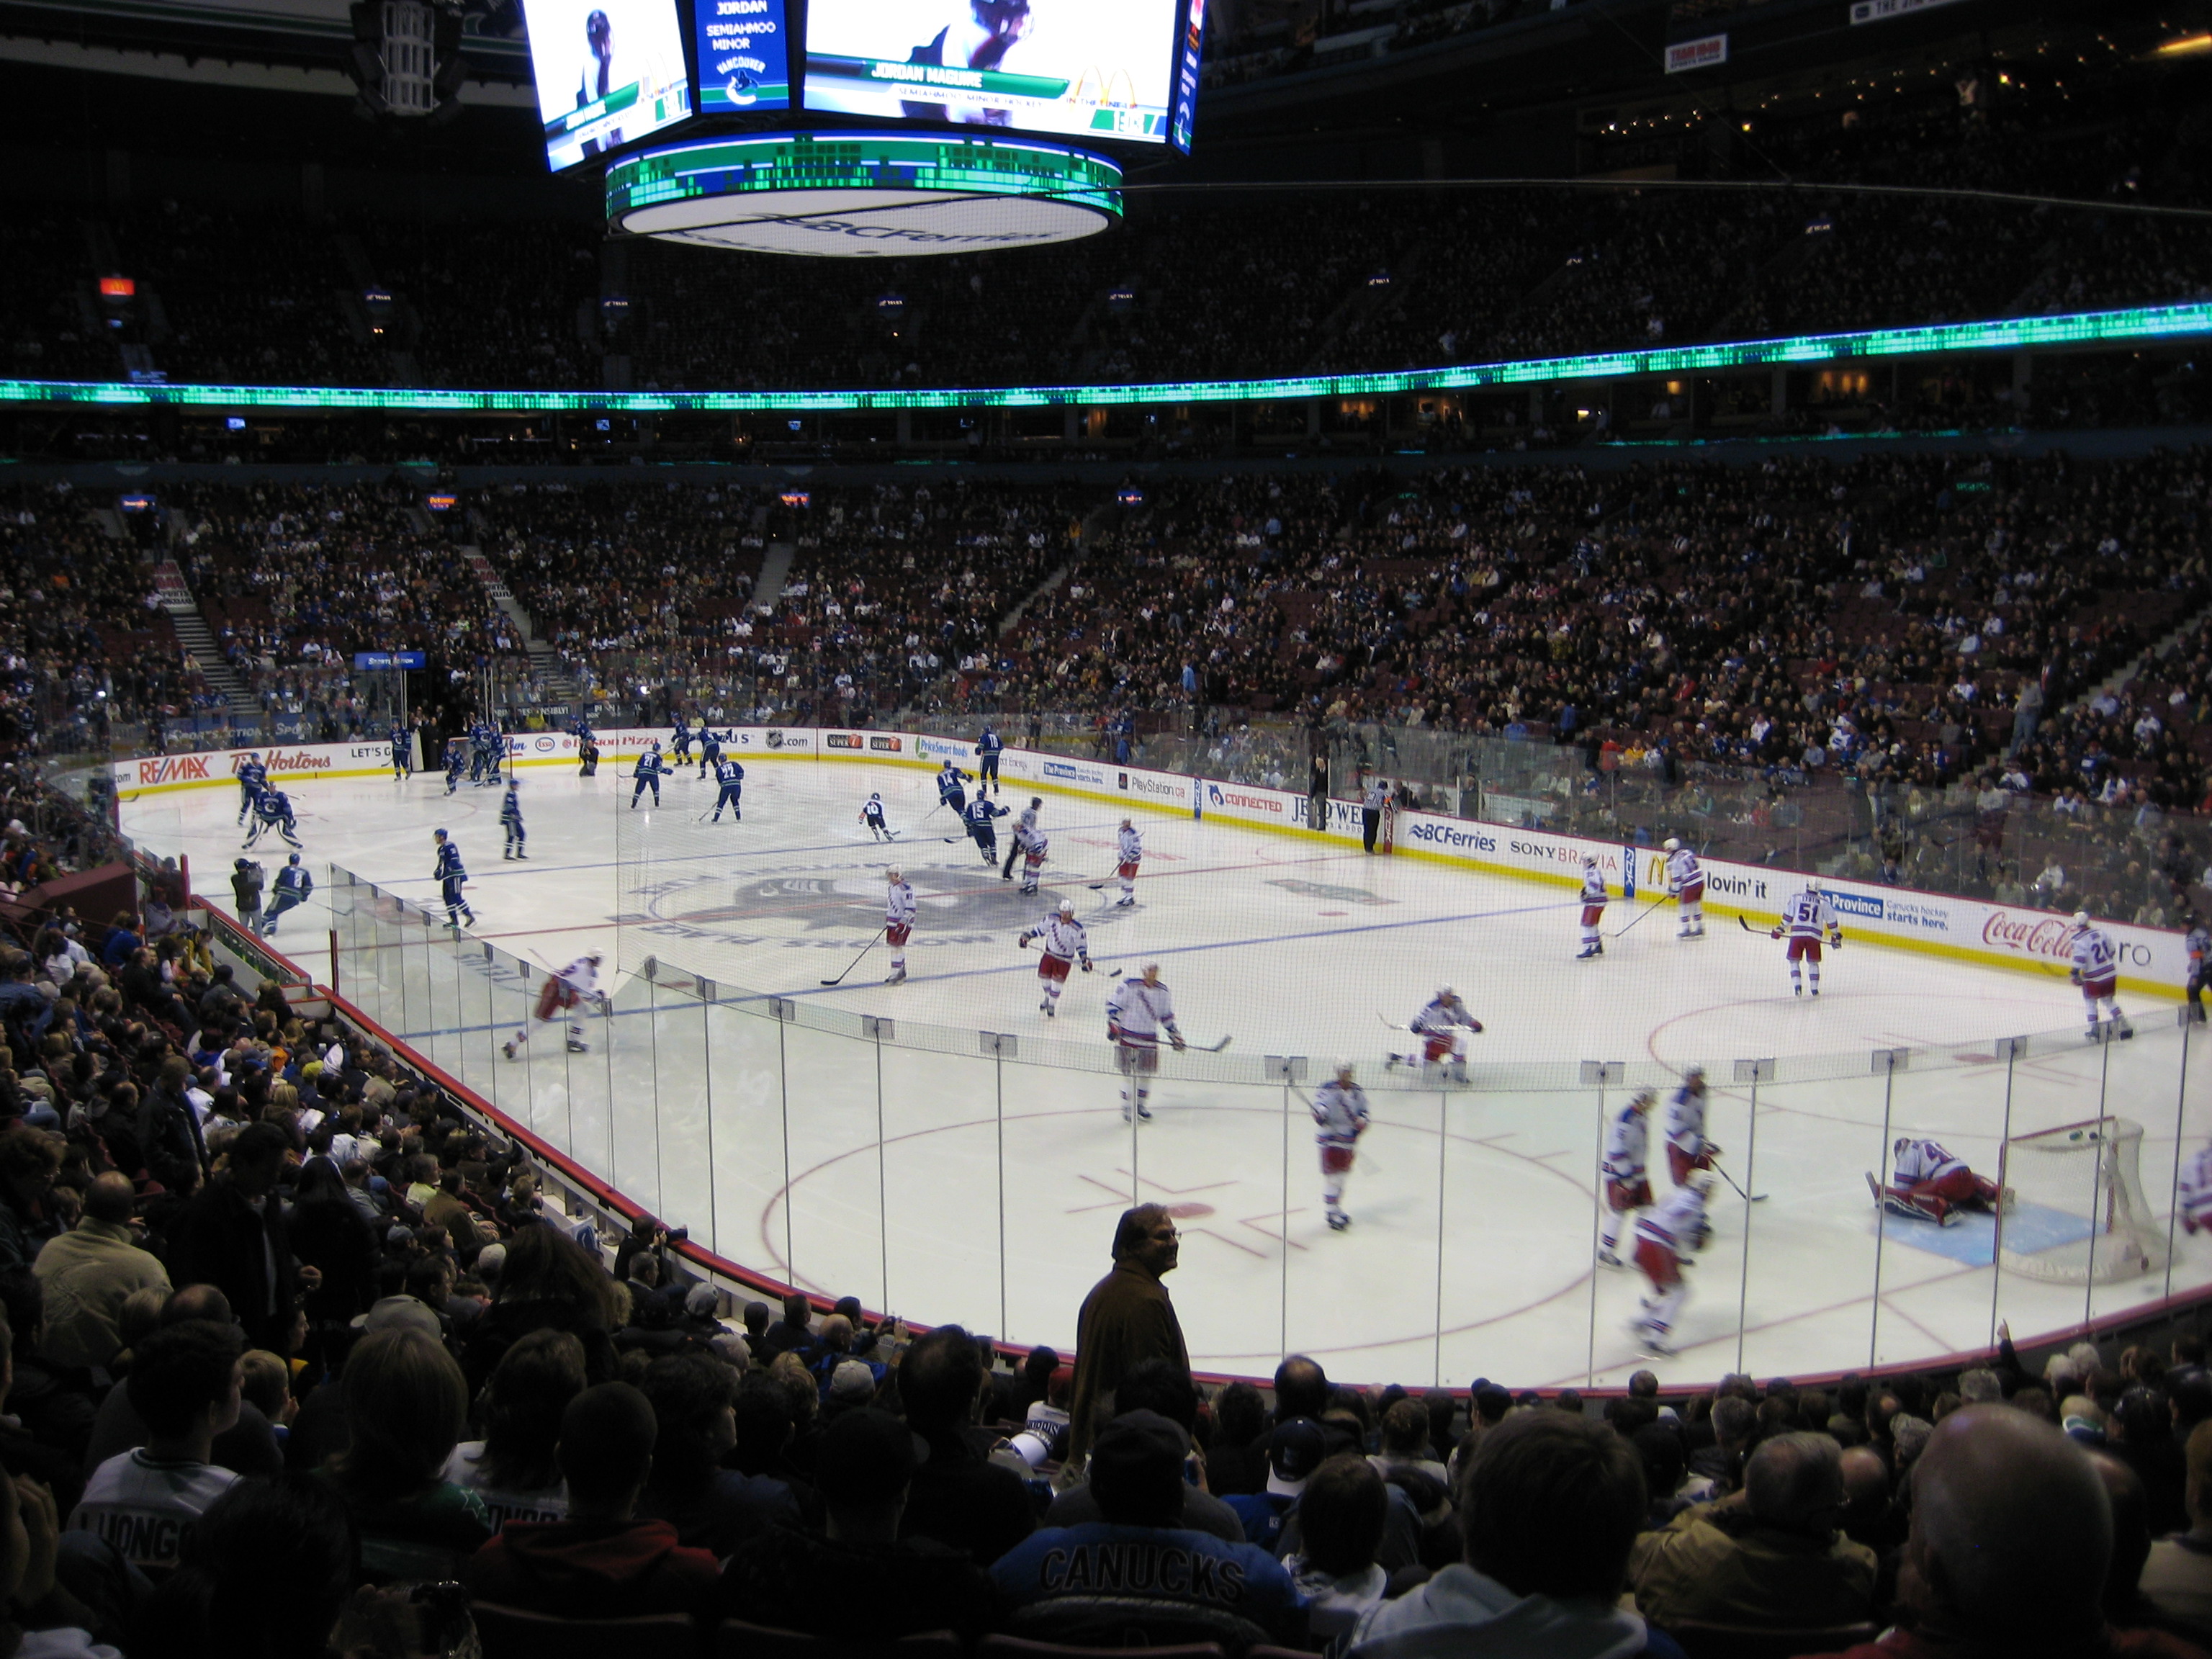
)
(799, 905)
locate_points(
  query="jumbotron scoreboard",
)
(864, 128)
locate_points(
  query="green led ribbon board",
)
(863, 195)
(2117, 329)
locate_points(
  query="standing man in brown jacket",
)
(1127, 1319)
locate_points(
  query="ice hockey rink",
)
(933, 1170)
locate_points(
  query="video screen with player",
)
(1087, 69)
(743, 60)
(608, 72)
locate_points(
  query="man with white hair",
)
(2010, 1546)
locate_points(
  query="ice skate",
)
(508, 1048)
(1607, 1257)
(578, 1046)
(1586, 953)
(1046, 1007)
(897, 976)
(1338, 1221)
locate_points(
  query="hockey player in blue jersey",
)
(456, 757)
(272, 810)
(679, 743)
(294, 884)
(986, 760)
(872, 816)
(731, 776)
(647, 773)
(980, 830)
(710, 751)
(949, 791)
(451, 877)
(402, 755)
(510, 819)
(253, 778)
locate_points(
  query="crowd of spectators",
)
(1204, 285)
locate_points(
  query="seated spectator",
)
(248, 1449)
(1406, 1441)
(958, 1497)
(1550, 1506)
(1722, 1460)
(1340, 1518)
(789, 1335)
(2177, 1579)
(404, 1405)
(28, 1160)
(184, 1383)
(858, 1574)
(1157, 1385)
(512, 1469)
(2140, 1433)
(602, 1561)
(1770, 1555)
(1137, 1471)
(88, 1271)
(262, 1575)
(710, 1507)
(1236, 1461)
(1295, 1450)
(2009, 1550)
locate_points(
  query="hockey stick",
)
(1209, 1048)
(855, 961)
(1373, 1167)
(1646, 911)
(1833, 943)
(1749, 1198)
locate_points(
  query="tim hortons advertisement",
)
(220, 766)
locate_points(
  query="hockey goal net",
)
(2076, 1214)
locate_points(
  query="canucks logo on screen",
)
(744, 63)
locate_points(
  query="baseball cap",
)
(1294, 1452)
(852, 1380)
(394, 1313)
(699, 1301)
(866, 1457)
(1137, 1463)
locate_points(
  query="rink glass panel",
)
(939, 1173)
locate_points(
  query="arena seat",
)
(1016, 1647)
(734, 1638)
(517, 1633)
(1755, 1642)
(1130, 1621)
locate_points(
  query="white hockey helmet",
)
(894, 874)
(1693, 1074)
(2081, 918)
(1068, 907)
(1445, 993)
(1897, 1147)
(1671, 845)
(1589, 861)
(1345, 1068)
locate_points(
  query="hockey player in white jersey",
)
(2096, 971)
(1665, 1239)
(1444, 1026)
(1685, 880)
(1024, 827)
(1137, 1011)
(1687, 1149)
(1339, 1115)
(2193, 1194)
(1129, 853)
(872, 816)
(577, 983)
(1593, 898)
(1064, 944)
(1808, 919)
(899, 922)
(1927, 1182)
(1033, 856)
(1627, 1172)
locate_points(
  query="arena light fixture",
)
(2136, 327)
